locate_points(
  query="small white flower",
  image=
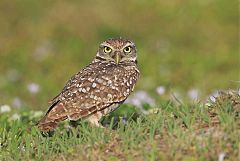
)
(33, 88)
(160, 90)
(37, 114)
(193, 94)
(5, 108)
(15, 117)
(239, 92)
(212, 98)
(221, 156)
(208, 104)
(139, 99)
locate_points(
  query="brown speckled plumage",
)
(98, 89)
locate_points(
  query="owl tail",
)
(46, 124)
(55, 114)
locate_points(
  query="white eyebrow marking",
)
(128, 44)
(106, 44)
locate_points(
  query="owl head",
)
(117, 50)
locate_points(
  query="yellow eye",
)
(127, 49)
(107, 49)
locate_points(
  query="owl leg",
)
(94, 119)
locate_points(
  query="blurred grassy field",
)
(181, 44)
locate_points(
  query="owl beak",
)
(117, 58)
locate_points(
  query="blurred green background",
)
(182, 44)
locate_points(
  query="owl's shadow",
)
(111, 122)
(116, 121)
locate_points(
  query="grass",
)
(168, 132)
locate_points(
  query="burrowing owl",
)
(99, 88)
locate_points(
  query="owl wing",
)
(93, 89)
